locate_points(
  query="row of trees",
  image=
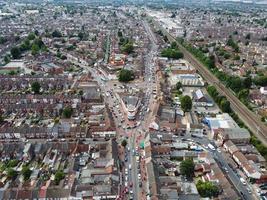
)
(222, 101)
(201, 56)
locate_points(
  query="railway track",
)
(250, 119)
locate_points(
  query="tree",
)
(12, 73)
(3, 40)
(125, 75)
(56, 33)
(260, 80)
(173, 45)
(26, 45)
(59, 175)
(35, 86)
(187, 168)
(35, 49)
(36, 32)
(1, 118)
(233, 44)
(11, 173)
(26, 172)
(248, 36)
(212, 91)
(124, 143)
(128, 48)
(172, 53)
(6, 59)
(207, 189)
(15, 52)
(243, 94)
(178, 85)
(12, 163)
(225, 106)
(186, 103)
(81, 35)
(67, 112)
(119, 33)
(247, 82)
(31, 36)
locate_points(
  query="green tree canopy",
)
(125, 75)
(247, 82)
(31, 36)
(207, 189)
(56, 33)
(124, 143)
(59, 175)
(172, 53)
(35, 49)
(15, 52)
(225, 106)
(67, 112)
(186, 103)
(233, 44)
(127, 48)
(187, 168)
(26, 172)
(178, 85)
(11, 173)
(35, 86)
(3, 40)
(81, 35)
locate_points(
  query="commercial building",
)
(130, 105)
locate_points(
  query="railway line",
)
(250, 119)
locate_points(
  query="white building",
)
(263, 90)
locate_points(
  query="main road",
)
(250, 119)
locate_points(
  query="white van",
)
(243, 181)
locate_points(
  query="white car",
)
(139, 176)
(130, 166)
(126, 171)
